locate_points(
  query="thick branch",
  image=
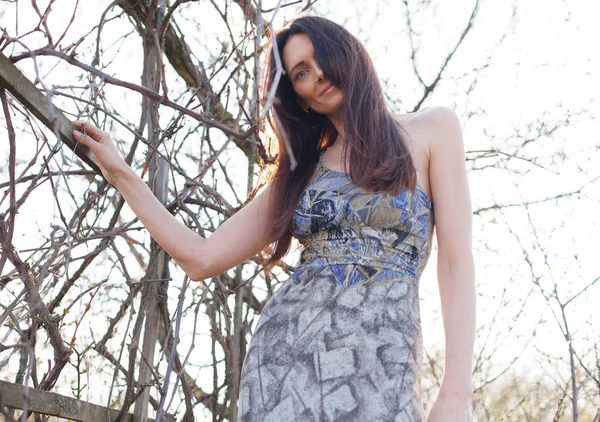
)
(153, 95)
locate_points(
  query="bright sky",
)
(545, 69)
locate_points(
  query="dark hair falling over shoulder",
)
(379, 157)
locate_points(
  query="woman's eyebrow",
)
(301, 62)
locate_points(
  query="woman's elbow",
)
(195, 275)
(195, 262)
(456, 262)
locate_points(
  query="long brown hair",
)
(379, 157)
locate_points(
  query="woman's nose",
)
(319, 73)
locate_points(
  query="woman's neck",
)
(338, 123)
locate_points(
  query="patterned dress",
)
(341, 339)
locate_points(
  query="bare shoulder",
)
(431, 125)
(442, 120)
(434, 134)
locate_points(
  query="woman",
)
(340, 340)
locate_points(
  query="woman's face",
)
(307, 78)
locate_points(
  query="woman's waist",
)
(402, 258)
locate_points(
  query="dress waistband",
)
(361, 252)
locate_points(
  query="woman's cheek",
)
(302, 89)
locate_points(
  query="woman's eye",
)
(300, 74)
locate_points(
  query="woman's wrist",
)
(462, 390)
(123, 177)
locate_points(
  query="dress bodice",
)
(340, 223)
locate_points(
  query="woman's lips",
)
(327, 89)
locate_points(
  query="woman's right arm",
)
(239, 238)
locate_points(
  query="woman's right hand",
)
(99, 142)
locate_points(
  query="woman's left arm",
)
(456, 274)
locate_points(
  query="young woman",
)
(341, 339)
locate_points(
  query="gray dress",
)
(341, 339)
